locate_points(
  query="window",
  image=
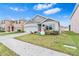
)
(39, 24)
(49, 27)
(53, 26)
(43, 25)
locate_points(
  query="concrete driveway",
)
(27, 49)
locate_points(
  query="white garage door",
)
(30, 28)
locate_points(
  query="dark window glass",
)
(43, 25)
(49, 27)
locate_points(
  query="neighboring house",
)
(11, 26)
(75, 19)
(64, 28)
(39, 22)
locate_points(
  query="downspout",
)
(59, 28)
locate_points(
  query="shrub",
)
(35, 32)
(51, 32)
(19, 30)
(2, 31)
(55, 32)
(31, 33)
(48, 32)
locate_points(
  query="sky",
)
(56, 11)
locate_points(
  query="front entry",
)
(12, 28)
(39, 27)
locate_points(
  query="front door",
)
(39, 27)
(12, 28)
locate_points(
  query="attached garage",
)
(30, 28)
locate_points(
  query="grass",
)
(4, 51)
(54, 42)
(74, 37)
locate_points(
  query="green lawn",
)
(4, 51)
(54, 42)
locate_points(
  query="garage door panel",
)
(31, 29)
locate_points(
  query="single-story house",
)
(75, 19)
(39, 22)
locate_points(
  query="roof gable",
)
(38, 19)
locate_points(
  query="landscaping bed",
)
(4, 51)
(55, 42)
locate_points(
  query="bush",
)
(51, 32)
(35, 32)
(48, 32)
(31, 32)
(2, 31)
(55, 32)
(19, 30)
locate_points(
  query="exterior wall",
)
(19, 25)
(75, 21)
(8, 24)
(55, 24)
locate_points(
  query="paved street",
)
(27, 49)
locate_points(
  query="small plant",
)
(48, 32)
(51, 32)
(2, 31)
(35, 32)
(19, 30)
(31, 33)
(55, 32)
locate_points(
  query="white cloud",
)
(16, 9)
(43, 6)
(52, 11)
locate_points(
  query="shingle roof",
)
(39, 19)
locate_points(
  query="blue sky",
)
(56, 11)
